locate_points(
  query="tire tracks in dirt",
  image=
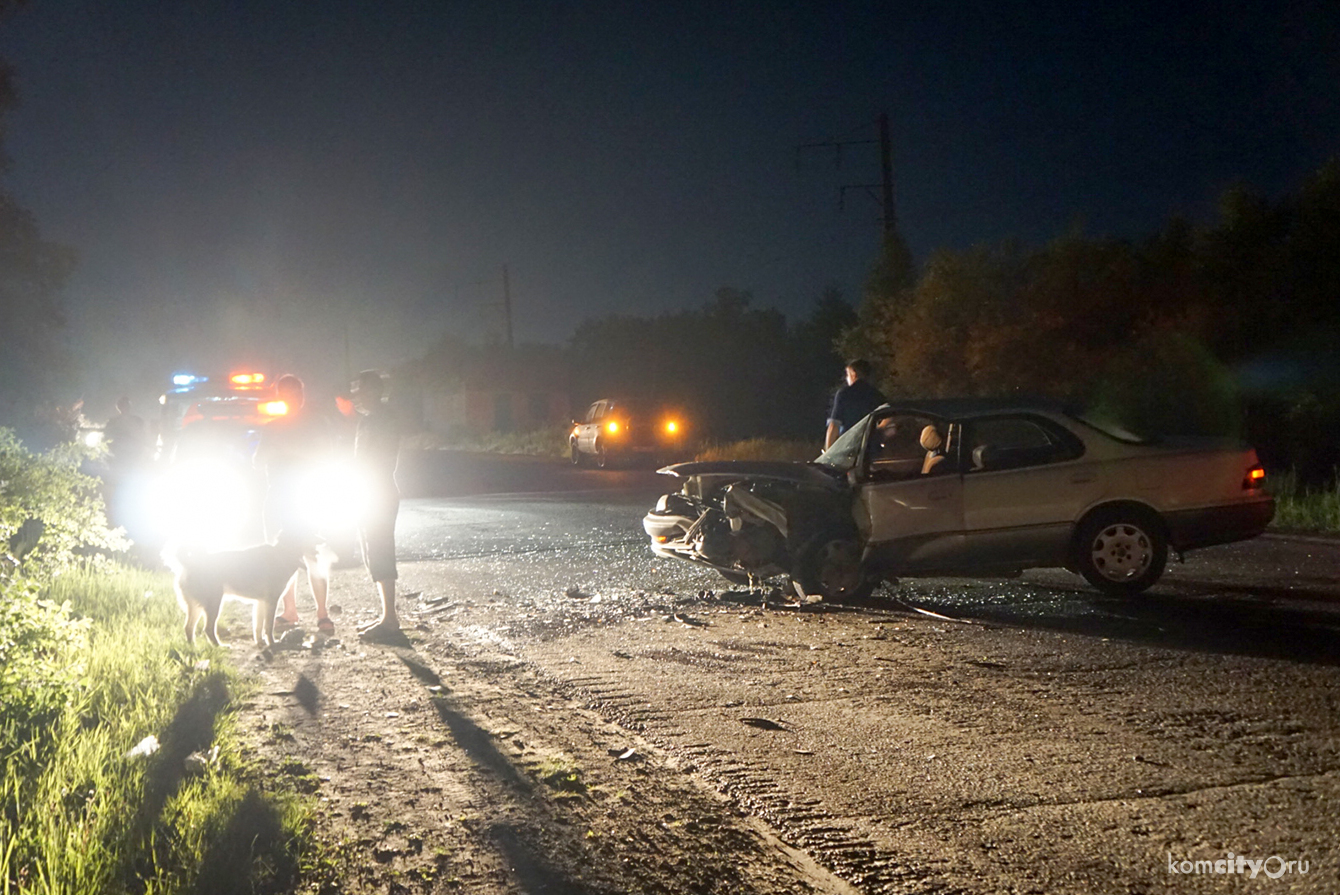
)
(447, 767)
(801, 822)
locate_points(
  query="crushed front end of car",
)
(753, 521)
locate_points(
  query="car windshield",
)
(844, 453)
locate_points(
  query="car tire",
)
(1121, 552)
(832, 569)
(602, 458)
(576, 453)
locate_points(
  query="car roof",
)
(956, 409)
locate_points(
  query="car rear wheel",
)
(1121, 551)
(602, 458)
(575, 452)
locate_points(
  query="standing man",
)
(127, 440)
(853, 401)
(376, 451)
(291, 446)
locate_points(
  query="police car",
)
(207, 489)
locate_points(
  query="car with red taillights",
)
(966, 488)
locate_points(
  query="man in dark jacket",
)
(853, 401)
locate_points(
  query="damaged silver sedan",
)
(964, 488)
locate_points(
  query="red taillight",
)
(1255, 478)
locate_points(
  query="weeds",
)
(561, 775)
(79, 814)
(1302, 508)
(758, 449)
(551, 441)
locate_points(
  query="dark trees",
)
(32, 273)
(736, 370)
(1163, 332)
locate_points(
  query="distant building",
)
(475, 390)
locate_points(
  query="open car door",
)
(909, 493)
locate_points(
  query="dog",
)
(257, 574)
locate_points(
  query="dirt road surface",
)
(553, 730)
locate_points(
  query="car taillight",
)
(612, 427)
(273, 408)
(1255, 478)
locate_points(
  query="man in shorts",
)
(376, 452)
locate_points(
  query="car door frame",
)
(1023, 516)
(589, 429)
(912, 524)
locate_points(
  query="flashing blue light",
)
(186, 379)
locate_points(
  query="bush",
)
(41, 652)
(51, 515)
(1168, 384)
(1299, 507)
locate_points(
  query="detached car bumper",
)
(667, 532)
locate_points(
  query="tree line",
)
(1224, 328)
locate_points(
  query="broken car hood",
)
(801, 473)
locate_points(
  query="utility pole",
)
(507, 305)
(885, 186)
(886, 172)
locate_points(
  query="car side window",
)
(901, 448)
(595, 412)
(1017, 442)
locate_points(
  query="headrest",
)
(930, 438)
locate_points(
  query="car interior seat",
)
(930, 443)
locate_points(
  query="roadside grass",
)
(1302, 508)
(551, 441)
(80, 813)
(758, 449)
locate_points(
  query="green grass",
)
(77, 815)
(548, 442)
(759, 449)
(1299, 508)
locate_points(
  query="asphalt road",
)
(952, 735)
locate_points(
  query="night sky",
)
(250, 181)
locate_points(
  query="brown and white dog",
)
(257, 574)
